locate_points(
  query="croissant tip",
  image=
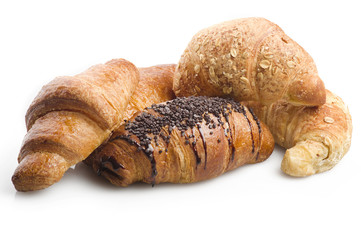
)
(24, 182)
(295, 164)
(38, 171)
(311, 94)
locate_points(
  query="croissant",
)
(316, 138)
(70, 117)
(155, 86)
(182, 141)
(249, 59)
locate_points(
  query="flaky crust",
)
(70, 117)
(99, 93)
(248, 59)
(316, 138)
(122, 163)
(155, 86)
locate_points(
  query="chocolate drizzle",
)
(233, 151)
(204, 144)
(148, 151)
(230, 139)
(259, 130)
(250, 127)
(129, 140)
(106, 159)
(198, 159)
(158, 122)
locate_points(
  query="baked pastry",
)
(70, 117)
(188, 139)
(155, 86)
(182, 141)
(249, 59)
(316, 138)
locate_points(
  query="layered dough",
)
(248, 59)
(316, 138)
(70, 117)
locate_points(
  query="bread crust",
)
(316, 138)
(155, 86)
(197, 154)
(249, 59)
(70, 117)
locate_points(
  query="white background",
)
(40, 40)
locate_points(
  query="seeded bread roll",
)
(249, 59)
(182, 141)
(70, 117)
(316, 138)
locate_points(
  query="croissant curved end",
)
(295, 166)
(32, 175)
(307, 92)
(306, 158)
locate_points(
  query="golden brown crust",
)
(316, 137)
(70, 117)
(176, 161)
(39, 170)
(248, 59)
(155, 86)
(69, 134)
(99, 93)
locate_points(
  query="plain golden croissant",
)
(70, 117)
(182, 141)
(155, 86)
(248, 59)
(316, 138)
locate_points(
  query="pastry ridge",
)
(316, 138)
(248, 59)
(154, 153)
(70, 117)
